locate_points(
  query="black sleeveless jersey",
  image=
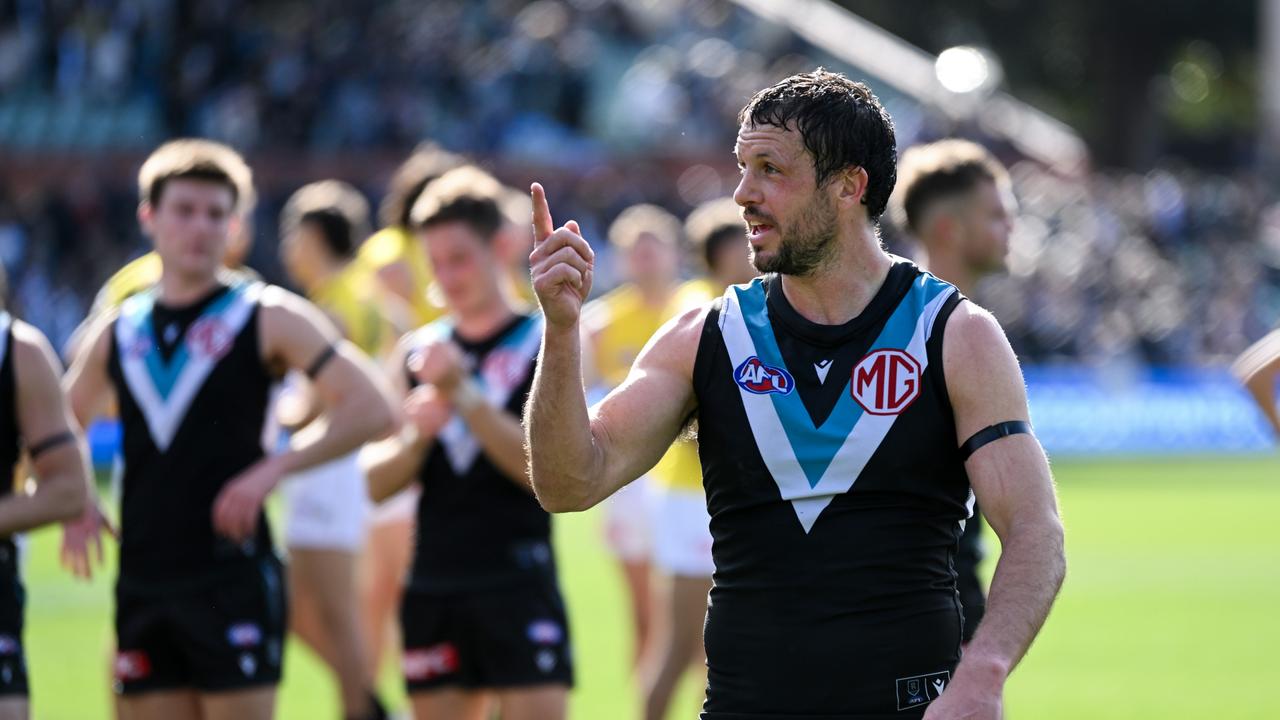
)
(477, 528)
(10, 441)
(836, 494)
(193, 393)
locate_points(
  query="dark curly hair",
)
(842, 124)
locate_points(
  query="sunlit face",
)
(985, 224)
(650, 260)
(191, 225)
(465, 267)
(791, 221)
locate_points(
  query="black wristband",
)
(50, 443)
(321, 360)
(992, 433)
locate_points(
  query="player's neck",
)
(841, 288)
(482, 321)
(324, 274)
(177, 290)
(950, 268)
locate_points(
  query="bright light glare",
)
(962, 69)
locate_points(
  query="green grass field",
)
(1170, 609)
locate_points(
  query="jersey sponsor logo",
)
(245, 634)
(545, 632)
(886, 382)
(8, 645)
(921, 689)
(430, 662)
(756, 377)
(132, 665)
(210, 337)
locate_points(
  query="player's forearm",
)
(501, 438)
(1027, 579)
(348, 424)
(60, 494)
(563, 456)
(390, 465)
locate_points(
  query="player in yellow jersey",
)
(328, 508)
(681, 533)
(646, 239)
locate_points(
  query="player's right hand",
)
(561, 265)
(82, 540)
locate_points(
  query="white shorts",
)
(682, 533)
(327, 506)
(628, 523)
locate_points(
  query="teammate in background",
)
(35, 419)
(837, 468)
(199, 599)
(956, 199)
(681, 534)
(394, 256)
(617, 326)
(482, 618)
(321, 226)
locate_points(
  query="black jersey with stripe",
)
(193, 393)
(836, 493)
(477, 527)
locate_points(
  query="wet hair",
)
(842, 124)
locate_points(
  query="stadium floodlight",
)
(965, 69)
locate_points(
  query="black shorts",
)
(13, 662)
(505, 637)
(225, 634)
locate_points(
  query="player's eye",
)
(769, 169)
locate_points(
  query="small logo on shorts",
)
(921, 689)
(132, 665)
(245, 634)
(248, 664)
(430, 662)
(545, 660)
(545, 632)
(8, 645)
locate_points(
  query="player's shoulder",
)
(977, 359)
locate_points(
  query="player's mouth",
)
(756, 230)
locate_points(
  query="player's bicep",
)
(44, 416)
(1009, 474)
(636, 423)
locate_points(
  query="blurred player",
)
(1256, 369)
(394, 256)
(681, 536)
(200, 604)
(482, 617)
(617, 326)
(837, 468)
(957, 201)
(321, 226)
(35, 419)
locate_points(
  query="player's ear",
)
(851, 185)
(146, 217)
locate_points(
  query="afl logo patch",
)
(756, 377)
(209, 337)
(886, 382)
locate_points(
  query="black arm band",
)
(321, 360)
(50, 443)
(991, 433)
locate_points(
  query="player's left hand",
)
(236, 509)
(440, 363)
(967, 701)
(82, 540)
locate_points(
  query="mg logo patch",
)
(210, 337)
(756, 377)
(921, 689)
(886, 382)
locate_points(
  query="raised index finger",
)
(542, 227)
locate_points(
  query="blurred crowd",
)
(621, 100)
